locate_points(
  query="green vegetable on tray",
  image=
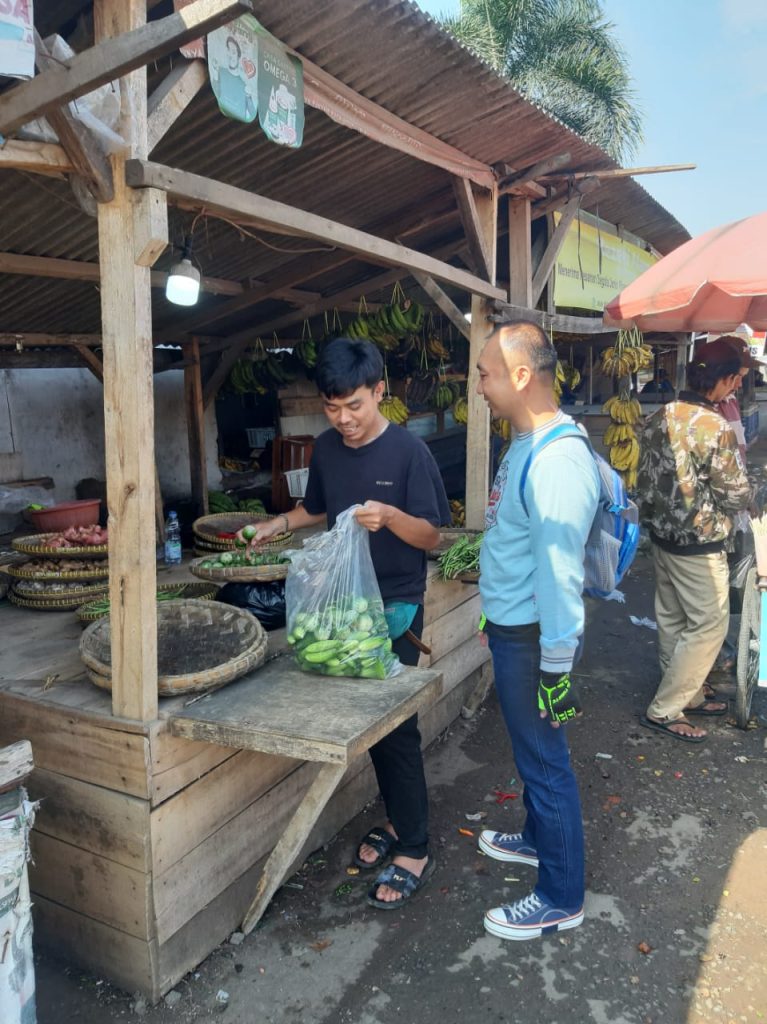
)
(348, 638)
(102, 605)
(461, 557)
(243, 560)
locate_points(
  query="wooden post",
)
(126, 311)
(520, 255)
(195, 426)
(478, 423)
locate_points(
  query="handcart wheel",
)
(748, 650)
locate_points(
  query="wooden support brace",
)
(171, 98)
(151, 238)
(520, 180)
(557, 321)
(480, 254)
(195, 425)
(562, 198)
(445, 303)
(91, 360)
(112, 58)
(223, 367)
(543, 271)
(520, 256)
(35, 157)
(292, 840)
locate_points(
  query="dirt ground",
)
(677, 888)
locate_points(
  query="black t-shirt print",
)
(396, 469)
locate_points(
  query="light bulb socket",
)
(183, 284)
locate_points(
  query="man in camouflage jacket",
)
(691, 482)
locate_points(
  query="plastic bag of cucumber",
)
(336, 621)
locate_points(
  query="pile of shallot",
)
(78, 537)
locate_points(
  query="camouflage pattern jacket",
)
(691, 475)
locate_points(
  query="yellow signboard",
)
(594, 265)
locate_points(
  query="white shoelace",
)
(510, 837)
(523, 908)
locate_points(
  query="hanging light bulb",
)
(183, 284)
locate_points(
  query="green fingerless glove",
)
(557, 697)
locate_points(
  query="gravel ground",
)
(677, 891)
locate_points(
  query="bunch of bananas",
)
(394, 409)
(618, 432)
(627, 355)
(458, 513)
(624, 455)
(233, 466)
(623, 408)
(218, 501)
(306, 352)
(436, 348)
(276, 371)
(461, 410)
(421, 386)
(242, 379)
(559, 380)
(389, 325)
(501, 428)
(446, 394)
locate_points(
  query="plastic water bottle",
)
(172, 540)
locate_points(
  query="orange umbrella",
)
(711, 283)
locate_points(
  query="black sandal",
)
(403, 882)
(381, 841)
(650, 723)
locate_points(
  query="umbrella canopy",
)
(712, 283)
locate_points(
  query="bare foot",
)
(367, 853)
(388, 895)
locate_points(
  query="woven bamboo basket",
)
(65, 603)
(207, 528)
(36, 545)
(240, 573)
(200, 591)
(201, 645)
(19, 572)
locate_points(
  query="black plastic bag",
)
(264, 600)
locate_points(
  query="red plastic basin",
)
(71, 513)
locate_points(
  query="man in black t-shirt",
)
(365, 460)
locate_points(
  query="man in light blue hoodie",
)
(531, 584)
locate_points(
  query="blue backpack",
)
(612, 543)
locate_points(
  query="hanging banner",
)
(195, 48)
(594, 264)
(233, 68)
(280, 93)
(17, 41)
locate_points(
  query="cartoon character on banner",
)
(232, 66)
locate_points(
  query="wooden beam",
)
(228, 201)
(151, 226)
(479, 254)
(563, 197)
(544, 268)
(520, 255)
(478, 419)
(112, 58)
(559, 322)
(444, 302)
(80, 143)
(171, 98)
(126, 312)
(531, 174)
(24, 340)
(35, 157)
(195, 426)
(80, 270)
(621, 172)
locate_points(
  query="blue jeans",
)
(553, 826)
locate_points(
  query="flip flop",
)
(664, 727)
(381, 841)
(703, 709)
(402, 881)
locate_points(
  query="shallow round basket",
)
(448, 537)
(4, 588)
(240, 573)
(36, 545)
(20, 572)
(94, 610)
(201, 645)
(66, 603)
(207, 528)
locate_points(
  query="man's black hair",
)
(346, 364)
(702, 378)
(532, 343)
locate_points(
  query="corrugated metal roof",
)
(389, 52)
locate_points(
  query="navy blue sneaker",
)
(529, 918)
(508, 846)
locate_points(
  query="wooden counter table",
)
(330, 720)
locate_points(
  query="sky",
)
(700, 78)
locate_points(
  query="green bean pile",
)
(462, 557)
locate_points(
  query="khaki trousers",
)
(692, 611)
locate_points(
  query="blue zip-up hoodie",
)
(532, 566)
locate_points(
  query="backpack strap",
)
(563, 430)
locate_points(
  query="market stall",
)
(149, 845)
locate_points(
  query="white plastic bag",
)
(335, 615)
(17, 972)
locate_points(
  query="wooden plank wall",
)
(147, 847)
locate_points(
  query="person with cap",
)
(691, 482)
(729, 407)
